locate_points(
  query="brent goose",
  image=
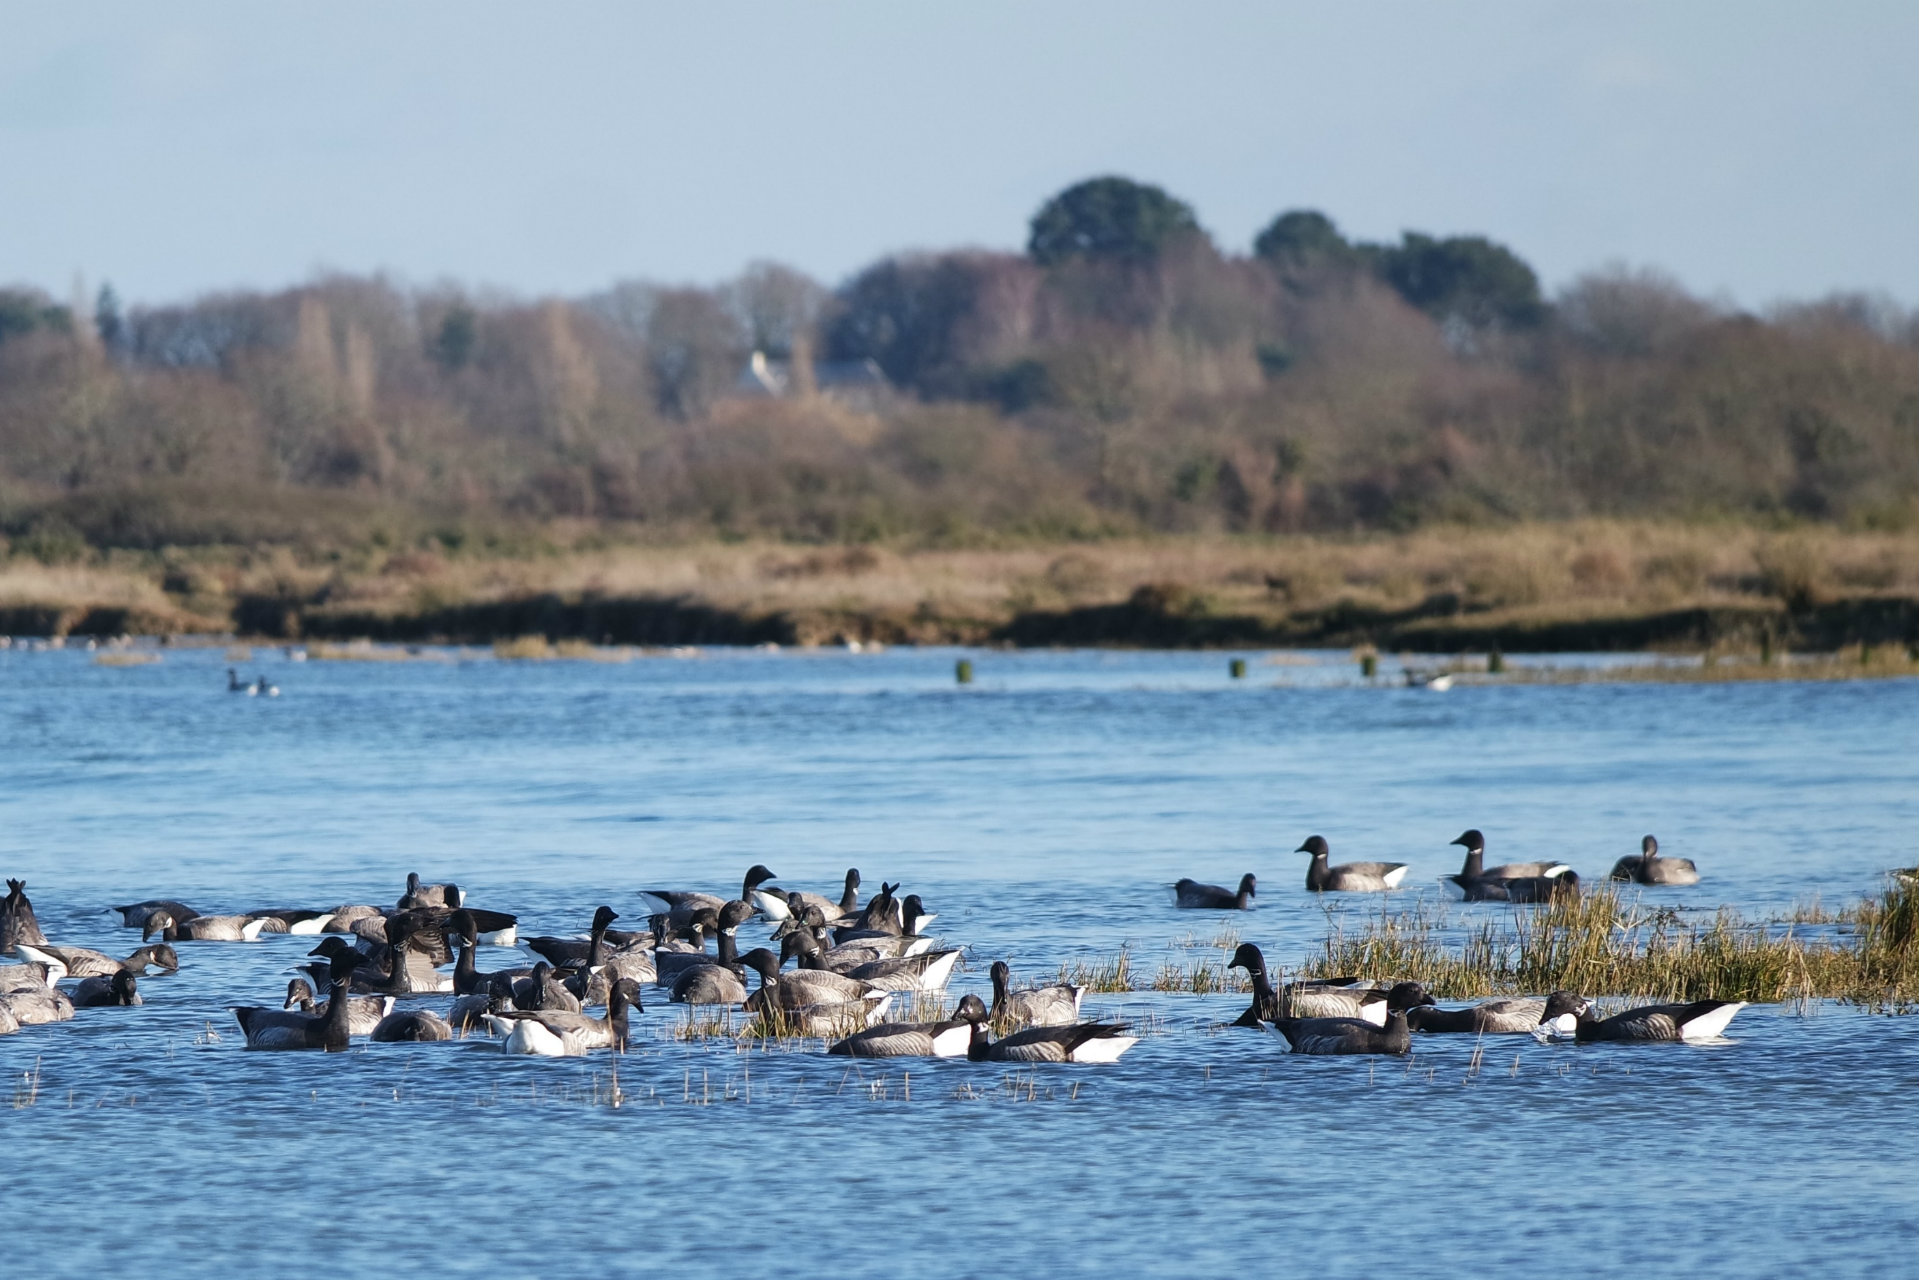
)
(552, 1033)
(1475, 867)
(1347, 877)
(1557, 1012)
(429, 895)
(1080, 1042)
(1700, 1020)
(1653, 867)
(1050, 1006)
(411, 1025)
(1353, 1035)
(31, 1006)
(279, 1029)
(680, 904)
(1553, 888)
(134, 914)
(17, 923)
(1191, 895)
(82, 962)
(32, 976)
(948, 1039)
(776, 905)
(362, 1015)
(100, 992)
(202, 928)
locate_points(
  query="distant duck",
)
(1050, 1006)
(202, 928)
(1078, 1042)
(554, 1034)
(1354, 1036)
(950, 1038)
(1558, 1012)
(102, 992)
(1348, 877)
(81, 962)
(1475, 867)
(1191, 895)
(236, 685)
(1652, 867)
(1700, 1020)
(17, 922)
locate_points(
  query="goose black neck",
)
(1475, 864)
(334, 1031)
(729, 949)
(851, 897)
(976, 1047)
(1317, 872)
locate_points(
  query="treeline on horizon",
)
(1124, 376)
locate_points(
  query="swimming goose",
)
(1347, 877)
(81, 962)
(32, 976)
(1334, 998)
(801, 987)
(295, 920)
(670, 966)
(264, 688)
(1700, 1020)
(1194, 896)
(680, 904)
(362, 1015)
(468, 1014)
(542, 990)
(202, 928)
(550, 1033)
(1475, 867)
(1553, 888)
(777, 905)
(949, 1039)
(345, 917)
(8, 1023)
(1558, 1012)
(1079, 1042)
(468, 979)
(1352, 1035)
(280, 1029)
(17, 923)
(1051, 1006)
(572, 951)
(429, 895)
(926, 971)
(100, 992)
(236, 685)
(411, 1025)
(899, 925)
(31, 1006)
(710, 984)
(134, 914)
(1652, 867)
(1265, 1005)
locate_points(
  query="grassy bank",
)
(1575, 586)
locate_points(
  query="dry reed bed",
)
(1601, 945)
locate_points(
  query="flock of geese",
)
(850, 963)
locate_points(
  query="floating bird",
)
(1348, 877)
(411, 1025)
(100, 992)
(1557, 1012)
(1050, 1006)
(549, 1033)
(1700, 1020)
(775, 905)
(281, 1029)
(202, 928)
(134, 914)
(236, 685)
(1553, 888)
(31, 1006)
(950, 1038)
(1191, 895)
(1353, 1035)
(1475, 867)
(1652, 867)
(81, 962)
(1079, 1042)
(680, 904)
(17, 922)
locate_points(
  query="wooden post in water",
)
(1238, 668)
(1369, 665)
(1495, 663)
(963, 671)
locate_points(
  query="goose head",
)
(1472, 841)
(1001, 975)
(732, 916)
(764, 963)
(160, 955)
(603, 918)
(1317, 846)
(1248, 885)
(299, 996)
(852, 877)
(159, 922)
(465, 929)
(453, 894)
(912, 911)
(1561, 1003)
(971, 1009)
(756, 876)
(1406, 995)
(1649, 848)
(1250, 958)
(125, 990)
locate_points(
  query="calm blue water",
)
(1043, 813)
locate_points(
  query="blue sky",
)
(1756, 150)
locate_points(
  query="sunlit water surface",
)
(1043, 812)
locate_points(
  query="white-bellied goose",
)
(948, 1039)
(362, 1015)
(671, 967)
(346, 917)
(1352, 1035)
(928, 971)
(899, 920)
(265, 688)
(411, 1025)
(801, 987)
(1347, 877)
(775, 904)
(236, 685)
(32, 1006)
(549, 1033)
(134, 914)
(279, 1029)
(1700, 1020)
(680, 904)
(294, 920)
(542, 990)
(710, 984)
(202, 928)
(1050, 1006)
(1334, 998)
(1080, 1042)
(1191, 895)
(467, 978)
(1265, 1005)
(590, 953)
(82, 962)
(17, 922)
(1475, 867)
(1653, 867)
(35, 975)
(100, 992)
(1563, 886)
(1557, 1012)
(468, 1014)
